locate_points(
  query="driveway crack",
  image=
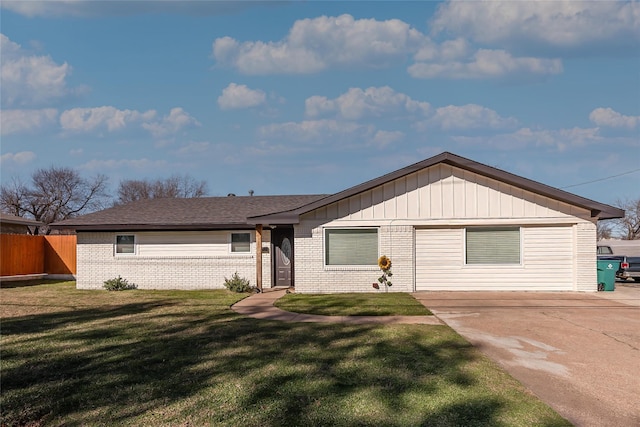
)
(591, 329)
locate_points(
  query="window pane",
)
(493, 246)
(125, 244)
(351, 246)
(240, 242)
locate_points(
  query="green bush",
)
(118, 284)
(237, 284)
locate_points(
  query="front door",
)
(282, 239)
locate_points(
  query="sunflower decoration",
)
(384, 262)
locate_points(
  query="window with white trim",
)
(240, 242)
(351, 246)
(125, 244)
(492, 245)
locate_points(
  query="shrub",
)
(118, 284)
(237, 283)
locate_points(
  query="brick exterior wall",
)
(97, 263)
(312, 276)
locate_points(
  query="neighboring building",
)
(447, 223)
(11, 224)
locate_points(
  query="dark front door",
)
(283, 256)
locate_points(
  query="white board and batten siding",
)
(444, 194)
(441, 201)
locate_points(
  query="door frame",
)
(276, 236)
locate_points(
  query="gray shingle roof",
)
(205, 213)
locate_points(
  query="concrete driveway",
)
(578, 352)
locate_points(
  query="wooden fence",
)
(60, 254)
(24, 254)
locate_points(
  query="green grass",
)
(97, 358)
(388, 304)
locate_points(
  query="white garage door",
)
(546, 253)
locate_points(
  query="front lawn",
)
(71, 357)
(354, 304)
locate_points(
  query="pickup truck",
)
(629, 266)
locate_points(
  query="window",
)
(352, 246)
(604, 250)
(493, 245)
(240, 242)
(125, 244)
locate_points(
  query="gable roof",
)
(242, 212)
(203, 213)
(598, 210)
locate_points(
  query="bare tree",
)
(176, 186)
(629, 226)
(54, 194)
(604, 229)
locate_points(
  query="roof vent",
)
(231, 195)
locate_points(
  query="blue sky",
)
(315, 97)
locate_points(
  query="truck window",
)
(604, 250)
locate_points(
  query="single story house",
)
(11, 224)
(446, 223)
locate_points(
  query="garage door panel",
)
(546, 253)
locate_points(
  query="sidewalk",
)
(260, 306)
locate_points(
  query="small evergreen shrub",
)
(237, 284)
(118, 284)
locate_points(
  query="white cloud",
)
(111, 118)
(313, 45)
(18, 121)
(240, 96)
(19, 158)
(487, 64)
(193, 148)
(446, 51)
(559, 140)
(317, 131)
(371, 102)
(382, 138)
(610, 118)
(177, 120)
(564, 25)
(143, 164)
(470, 116)
(30, 80)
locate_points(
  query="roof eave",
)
(25, 221)
(275, 219)
(153, 227)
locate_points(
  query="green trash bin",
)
(607, 274)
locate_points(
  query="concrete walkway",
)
(260, 306)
